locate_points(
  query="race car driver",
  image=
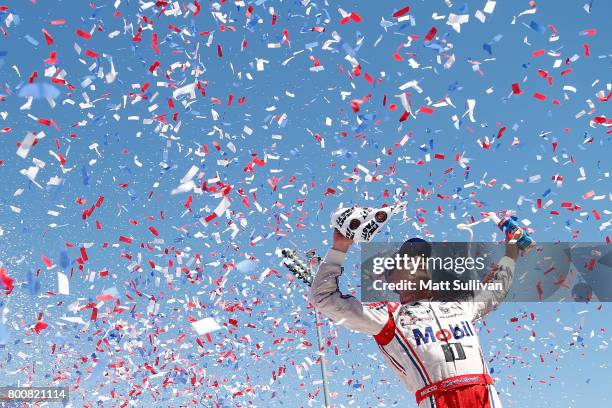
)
(432, 346)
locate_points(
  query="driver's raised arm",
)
(486, 301)
(347, 310)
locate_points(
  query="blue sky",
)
(313, 161)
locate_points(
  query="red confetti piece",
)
(431, 34)
(47, 261)
(404, 116)
(154, 43)
(125, 239)
(154, 66)
(401, 12)
(83, 34)
(84, 256)
(6, 281)
(40, 326)
(48, 37)
(599, 119)
(52, 58)
(104, 297)
(539, 290)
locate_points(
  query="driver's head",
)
(414, 249)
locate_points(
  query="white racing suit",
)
(432, 346)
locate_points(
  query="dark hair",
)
(412, 247)
(421, 247)
(415, 247)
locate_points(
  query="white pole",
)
(322, 361)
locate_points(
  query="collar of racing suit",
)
(418, 302)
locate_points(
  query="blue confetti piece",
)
(537, 27)
(85, 175)
(454, 86)
(403, 26)
(31, 40)
(4, 335)
(64, 260)
(463, 8)
(32, 284)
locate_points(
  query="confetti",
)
(157, 156)
(206, 325)
(62, 283)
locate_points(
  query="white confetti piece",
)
(206, 325)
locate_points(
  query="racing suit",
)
(432, 346)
